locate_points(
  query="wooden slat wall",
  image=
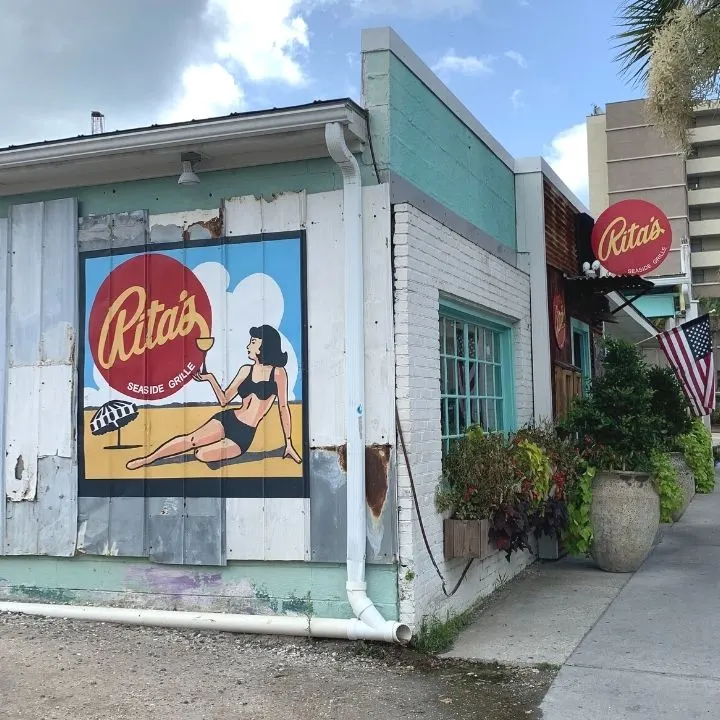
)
(567, 385)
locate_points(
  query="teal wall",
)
(656, 306)
(257, 587)
(160, 195)
(418, 137)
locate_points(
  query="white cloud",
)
(414, 8)
(207, 90)
(517, 57)
(234, 312)
(468, 65)
(264, 39)
(515, 99)
(568, 156)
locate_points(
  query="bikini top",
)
(263, 389)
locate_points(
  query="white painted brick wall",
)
(430, 259)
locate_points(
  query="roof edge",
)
(260, 122)
(539, 164)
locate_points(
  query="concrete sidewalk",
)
(655, 653)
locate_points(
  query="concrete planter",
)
(625, 516)
(466, 539)
(686, 481)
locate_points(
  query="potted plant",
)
(698, 452)
(619, 433)
(670, 407)
(549, 519)
(475, 483)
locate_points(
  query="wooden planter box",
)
(467, 539)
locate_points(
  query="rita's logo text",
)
(143, 325)
(619, 239)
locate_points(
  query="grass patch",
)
(436, 636)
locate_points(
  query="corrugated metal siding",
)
(40, 471)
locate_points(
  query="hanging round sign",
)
(631, 237)
(559, 319)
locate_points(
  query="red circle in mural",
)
(144, 326)
(631, 237)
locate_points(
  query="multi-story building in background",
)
(627, 158)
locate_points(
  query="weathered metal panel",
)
(276, 528)
(112, 526)
(188, 225)
(245, 528)
(328, 504)
(166, 529)
(47, 525)
(117, 230)
(204, 542)
(3, 369)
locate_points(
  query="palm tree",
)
(672, 47)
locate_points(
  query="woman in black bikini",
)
(229, 433)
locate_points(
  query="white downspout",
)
(361, 604)
(368, 623)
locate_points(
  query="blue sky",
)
(280, 259)
(530, 70)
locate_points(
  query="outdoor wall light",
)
(188, 176)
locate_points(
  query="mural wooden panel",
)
(193, 372)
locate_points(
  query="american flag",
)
(689, 351)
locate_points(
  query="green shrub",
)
(697, 447)
(665, 481)
(615, 421)
(670, 406)
(578, 535)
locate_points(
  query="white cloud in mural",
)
(254, 301)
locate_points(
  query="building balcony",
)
(703, 165)
(705, 135)
(706, 196)
(706, 259)
(703, 228)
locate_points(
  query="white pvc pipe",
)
(361, 604)
(223, 622)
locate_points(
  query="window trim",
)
(453, 310)
(583, 328)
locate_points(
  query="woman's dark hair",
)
(271, 352)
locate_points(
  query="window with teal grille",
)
(476, 375)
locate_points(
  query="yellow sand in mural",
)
(155, 425)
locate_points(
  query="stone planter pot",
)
(686, 481)
(625, 517)
(466, 539)
(546, 548)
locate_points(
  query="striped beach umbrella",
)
(113, 416)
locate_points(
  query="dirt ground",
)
(58, 669)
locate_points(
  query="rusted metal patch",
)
(377, 458)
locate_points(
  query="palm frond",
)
(639, 20)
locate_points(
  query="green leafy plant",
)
(615, 420)
(578, 535)
(510, 527)
(665, 481)
(477, 477)
(670, 406)
(697, 447)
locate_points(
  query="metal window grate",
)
(471, 378)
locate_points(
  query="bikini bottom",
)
(240, 433)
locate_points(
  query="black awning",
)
(610, 283)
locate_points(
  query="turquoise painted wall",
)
(257, 587)
(160, 195)
(655, 306)
(418, 137)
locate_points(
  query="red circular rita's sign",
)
(631, 237)
(144, 325)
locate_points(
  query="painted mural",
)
(193, 377)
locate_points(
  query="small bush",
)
(697, 447)
(670, 406)
(665, 481)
